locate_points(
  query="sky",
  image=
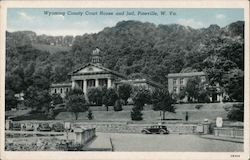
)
(78, 21)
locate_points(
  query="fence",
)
(229, 132)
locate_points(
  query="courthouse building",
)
(94, 74)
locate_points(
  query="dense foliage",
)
(124, 92)
(76, 103)
(163, 101)
(236, 113)
(118, 105)
(109, 97)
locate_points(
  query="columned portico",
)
(94, 75)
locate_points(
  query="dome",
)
(96, 52)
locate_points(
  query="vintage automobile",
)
(158, 129)
(44, 127)
(58, 127)
(16, 126)
(28, 127)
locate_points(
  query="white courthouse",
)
(94, 74)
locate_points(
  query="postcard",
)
(124, 80)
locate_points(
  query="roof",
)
(98, 66)
(153, 83)
(60, 85)
(189, 74)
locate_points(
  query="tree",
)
(162, 100)
(109, 98)
(37, 99)
(136, 114)
(196, 90)
(95, 95)
(236, 113)
(192, 88)
(74, 92)
(141, 96)
(90, 115)
(10, 100)
(124, 92)
(118, 105)
(233, 83)
(56, 99)
(76, 103)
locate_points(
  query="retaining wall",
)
(135, 128)
(229, 132)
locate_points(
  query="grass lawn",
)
(206, 111)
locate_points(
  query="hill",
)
(136, 49)
(51, 49)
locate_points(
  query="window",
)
(182, 81)
(103, 82)
(174, 81)
(61, 90)
(67, 89)
(175, 89)
(55, 90)
(91, 83)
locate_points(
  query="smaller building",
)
(148, 84)
(178, 81)
(60, 88)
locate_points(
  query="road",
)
(156, 142)
(171, 142)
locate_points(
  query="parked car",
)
(159, 129)
(16, 126)
(58, 127)
(28, 127)
(44, 127)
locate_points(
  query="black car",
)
(159, 129)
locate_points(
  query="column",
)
(73, 84)
(96, 83)
(85, 86)
(109, 82)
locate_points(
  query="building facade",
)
(145, 83)
(178, 81)
(94, 74)
(60, 88)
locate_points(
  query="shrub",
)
(95, 95)
(124, 92)
(90, 115)
(198, 106)
(236, 113)
(56, 99)
(118, 105)
(136, 114)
